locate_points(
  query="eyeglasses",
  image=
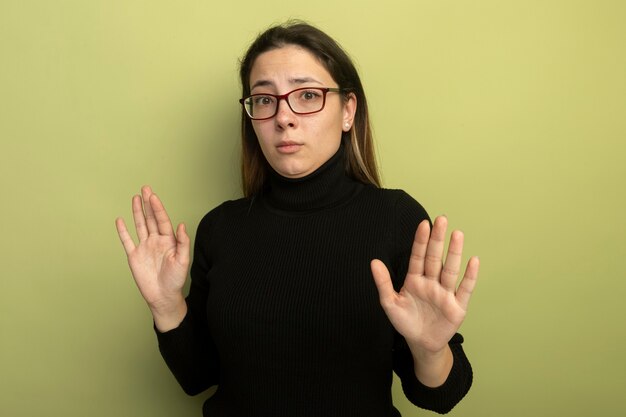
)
(301, 101)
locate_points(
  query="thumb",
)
(382, 279)
(182, 247)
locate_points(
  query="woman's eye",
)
(310, 95)
(263, 100)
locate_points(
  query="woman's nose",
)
(285, 116)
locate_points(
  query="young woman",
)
(311, 290)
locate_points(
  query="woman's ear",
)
(349, 110)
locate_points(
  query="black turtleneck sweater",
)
(283, 313)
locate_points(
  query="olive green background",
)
(507, 116)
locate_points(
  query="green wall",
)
(508, 116)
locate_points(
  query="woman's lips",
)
(288, 147)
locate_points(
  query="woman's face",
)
(296, 145)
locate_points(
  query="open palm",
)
(160, 261)
(429, 308)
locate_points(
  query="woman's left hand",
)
(429, 308)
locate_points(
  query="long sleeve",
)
(188, 349)
(409, 213)
(443, 398)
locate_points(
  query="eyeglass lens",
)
(302, 100)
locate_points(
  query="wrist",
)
(431, 367)
(169, 314)
(426, 352)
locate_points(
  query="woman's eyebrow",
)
(261, 83)
(303, 80)
(296, 80)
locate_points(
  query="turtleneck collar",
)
(326, 187)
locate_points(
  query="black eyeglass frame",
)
(278, 97)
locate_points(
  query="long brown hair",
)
(358, 142)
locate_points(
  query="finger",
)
(452, 266)
(122, 232)
(434, 251)
(182, 249)
(164, 224)
(151, 223)
(139, 218)
(418, 251)
(382, 279)
(464, 292)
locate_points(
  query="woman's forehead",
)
(289, 64)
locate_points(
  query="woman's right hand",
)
(160, 261)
